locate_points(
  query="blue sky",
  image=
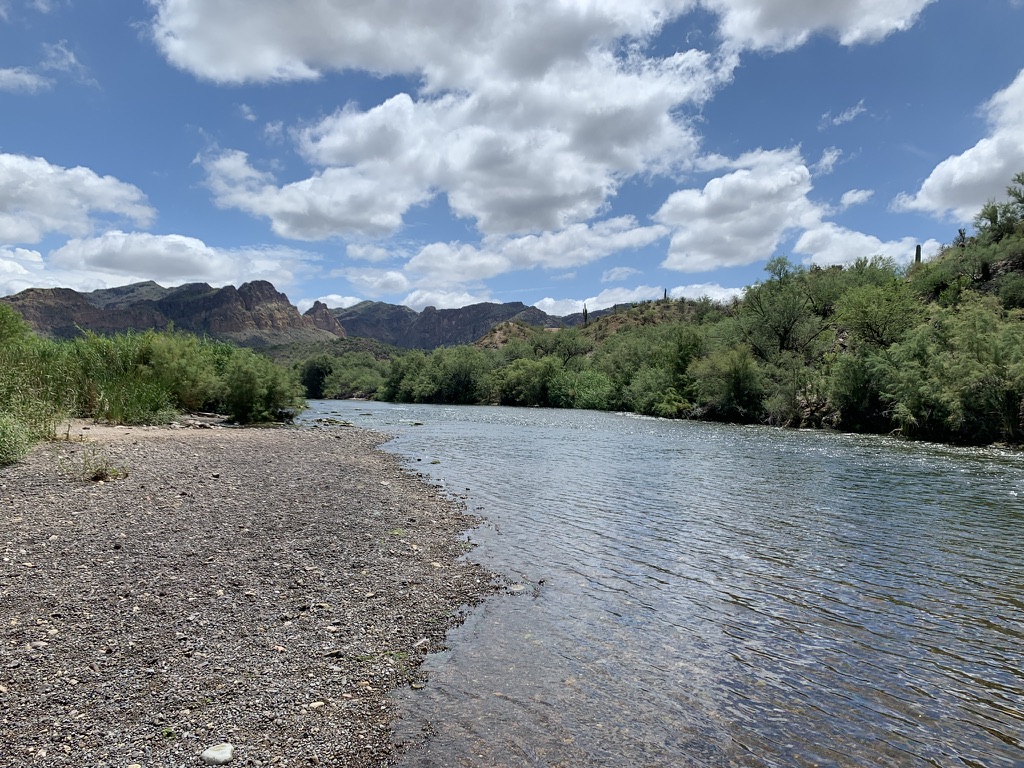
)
(445, 152)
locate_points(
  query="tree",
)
(729, 385)
(777, 315)
(878, 315)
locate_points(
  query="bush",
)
(729, 385)
(256, 389)
(15, 439)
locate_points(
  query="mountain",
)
(431, 328)
(255, 314)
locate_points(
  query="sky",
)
(559, 153)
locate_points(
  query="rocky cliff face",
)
(431, 328)
(322, 318)
(255, 314)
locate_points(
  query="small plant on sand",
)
(92, 464)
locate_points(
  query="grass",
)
(132, 378)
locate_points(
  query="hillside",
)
(255, 314)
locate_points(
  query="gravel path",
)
(263, 587)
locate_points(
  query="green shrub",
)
(258, 390)
(15, 439)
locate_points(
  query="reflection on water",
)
(710, 595)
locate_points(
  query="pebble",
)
(218, 754)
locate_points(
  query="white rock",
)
(218, 754)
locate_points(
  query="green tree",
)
(729, 385)
(777, 315)
(878, 315)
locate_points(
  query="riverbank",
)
(263, 587)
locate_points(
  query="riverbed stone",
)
(218, 754)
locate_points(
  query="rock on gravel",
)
(265, 588)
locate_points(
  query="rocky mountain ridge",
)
(256, 314)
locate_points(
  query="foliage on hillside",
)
(933, 351)
(128, 379)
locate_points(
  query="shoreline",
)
(264, 587)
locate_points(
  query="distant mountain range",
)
(256, 314)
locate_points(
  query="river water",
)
(690, 594)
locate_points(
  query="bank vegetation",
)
(933, 350)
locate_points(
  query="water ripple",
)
(720, 595)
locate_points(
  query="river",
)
(693, 594)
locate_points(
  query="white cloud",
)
(456, 263)
(713, 291)
(855, 197)
(174, 259)
(57, 58)
(741, 217)
(606, 298)
(334, 202)
(828, 244)
(785, 24)
(577, 244)
(60, 58)
(961, 184)
(367, 252)
(378, 282)
(265, 40)
(618, 274)
(18, 268)
(531, 123)
(37, 198)
(846, 116)
(332, 300)
(828, 161)
(453, 267)
(18, 79)
(420, 299)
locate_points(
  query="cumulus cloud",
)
(175, 259)
(828, 244)
(18, 269)
(264, 40)
(37, 198)
(961, 184)
(606, 298)
(713, 291)
(531, 123)
(440, 273)
(335, 202)
(445, 266)
(741, 217)
(332, 300)
(439, 299)
(780, 25)
(119, 258)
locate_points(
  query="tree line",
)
(934, 350)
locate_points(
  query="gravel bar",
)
(263, 587)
